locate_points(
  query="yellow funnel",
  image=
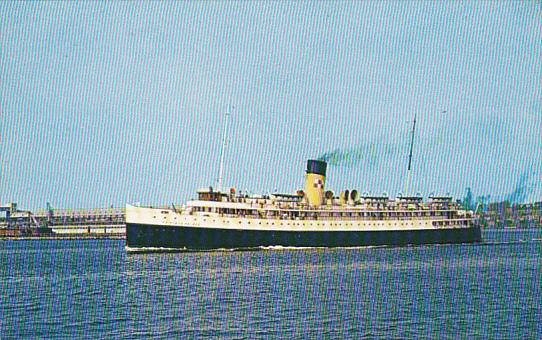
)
(315, 182)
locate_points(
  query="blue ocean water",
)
(93, 289)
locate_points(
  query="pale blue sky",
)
(108, 103)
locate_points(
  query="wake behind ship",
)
(310, 218)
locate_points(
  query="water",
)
(93, 289)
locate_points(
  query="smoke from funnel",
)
(365, 154)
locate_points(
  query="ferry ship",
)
(312, 217)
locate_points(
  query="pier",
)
(62, 223)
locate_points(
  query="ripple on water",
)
(93, 289)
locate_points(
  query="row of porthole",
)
(318, 224)
(295, 224)
(175, 218)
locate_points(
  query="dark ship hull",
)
(143, 237)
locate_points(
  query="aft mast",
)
(410, 156)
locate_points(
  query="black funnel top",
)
(316, 167)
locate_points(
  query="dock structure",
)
(84, 221)
(100, 222)
(20, 223)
